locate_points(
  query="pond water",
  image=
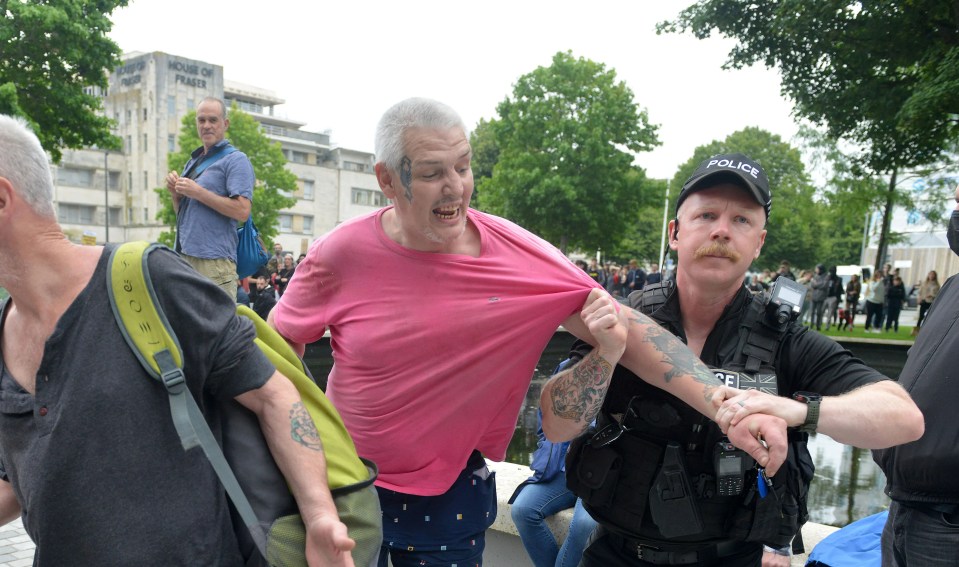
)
(847, 485)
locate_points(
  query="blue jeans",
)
(914, 538)
(531, 508)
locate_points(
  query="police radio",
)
(785, 300)
(730, 465)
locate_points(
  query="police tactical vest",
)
(657, 480)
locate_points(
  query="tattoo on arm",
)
(681, 360)
(406, 177)
(302, 428)
(579, 393)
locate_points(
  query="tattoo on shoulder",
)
(302, 428)
(674, 353)
(578, 395)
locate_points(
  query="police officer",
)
(663, 482)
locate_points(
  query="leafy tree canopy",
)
(565, 142)
(884, 75)
(50, 52)
(791, 228)
(273, 180)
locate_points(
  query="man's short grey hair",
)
(25, 164)
(407, 114)
(222, 104)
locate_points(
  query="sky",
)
(340, 65)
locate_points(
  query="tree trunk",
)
(886, 221)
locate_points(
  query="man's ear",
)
(673, 230)
(6, 192)
(385, 178)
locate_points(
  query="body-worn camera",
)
(730, 464)
(785, 300)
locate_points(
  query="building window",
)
(308, 186)
(144, 143)
(114, 182)
(145, 182)
(298, 157)
(171, 143)
(355, 166)
(144, 115)
(146, 215)
(130, 181)
(171, 105)
(75, 177)
(129, 116)
(307, 225)
(286, 223)
(75, 214)
(368, 197)
(189, 104)
(115, 216)
(129, 147)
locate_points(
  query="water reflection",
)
(848, 485)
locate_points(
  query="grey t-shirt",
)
(93, 457)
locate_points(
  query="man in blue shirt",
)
(210, 199)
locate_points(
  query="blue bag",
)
(250, 251)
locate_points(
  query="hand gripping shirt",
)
(433, 353)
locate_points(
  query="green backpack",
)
(273, 532)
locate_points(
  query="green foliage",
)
(49, 53)
(565, 142)
(273, 180)
(792, 229)
(881, 75)
(485, 155)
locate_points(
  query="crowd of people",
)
(685, 402)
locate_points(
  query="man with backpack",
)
(89, 455)
(213, 193)
(665, 485)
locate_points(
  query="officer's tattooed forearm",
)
(578, 393)
(302, 428)
(681, 360)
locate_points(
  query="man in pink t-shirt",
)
(438, 315)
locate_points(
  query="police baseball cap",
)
(729, 168)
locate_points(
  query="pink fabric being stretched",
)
(433, 353)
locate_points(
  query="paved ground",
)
(16, 549)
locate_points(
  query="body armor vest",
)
(648, 470)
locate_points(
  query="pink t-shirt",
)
(433, 353)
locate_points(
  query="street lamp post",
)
(106, 195)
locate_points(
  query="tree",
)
(485, 155)
(565, 139)
(52, 54)
(883, 76)
(792, 227)
(273, 180)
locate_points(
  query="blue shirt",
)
(201, 231)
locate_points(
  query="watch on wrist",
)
(812, 410)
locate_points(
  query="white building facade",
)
(110, 195)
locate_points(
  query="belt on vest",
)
(659, 556)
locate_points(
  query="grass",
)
(904, 333)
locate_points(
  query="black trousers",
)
(609, 550)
